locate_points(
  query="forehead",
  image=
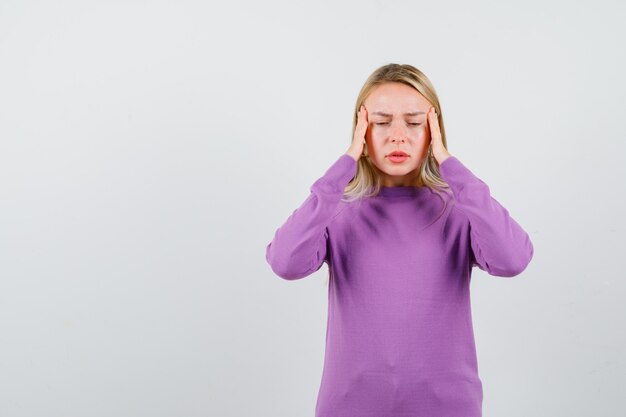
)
(394, 97)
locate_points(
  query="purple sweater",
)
(399, 337)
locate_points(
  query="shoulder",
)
(451, 212)
(344, 212)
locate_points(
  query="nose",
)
(398, 134)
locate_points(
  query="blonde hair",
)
(366, 182)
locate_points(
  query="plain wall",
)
(150, 149)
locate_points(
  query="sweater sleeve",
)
(299, 245)
(498, 244)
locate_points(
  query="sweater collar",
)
(403, 191)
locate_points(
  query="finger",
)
(363, 116)
(434, 125)
(365, 123)
(361, 126)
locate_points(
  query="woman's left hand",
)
(439, 151)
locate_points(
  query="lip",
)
(397, 157)
(397, 153)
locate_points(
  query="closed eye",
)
(386, 123)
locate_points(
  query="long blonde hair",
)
(366, 182)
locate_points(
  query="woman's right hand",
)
(358, 141)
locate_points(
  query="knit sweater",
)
(399, 336)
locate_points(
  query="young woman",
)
(400, 222)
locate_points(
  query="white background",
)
(150, 149)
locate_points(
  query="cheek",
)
(422, 133)
(375, 145)
(422, 140)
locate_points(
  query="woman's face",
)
(397, 121)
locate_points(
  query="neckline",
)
(403, 191)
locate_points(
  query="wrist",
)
(442, 156)
(352, 155)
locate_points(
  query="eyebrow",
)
(413, 113)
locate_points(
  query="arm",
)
(499, 245)
(299, 245)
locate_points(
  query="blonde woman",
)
(400, 222)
